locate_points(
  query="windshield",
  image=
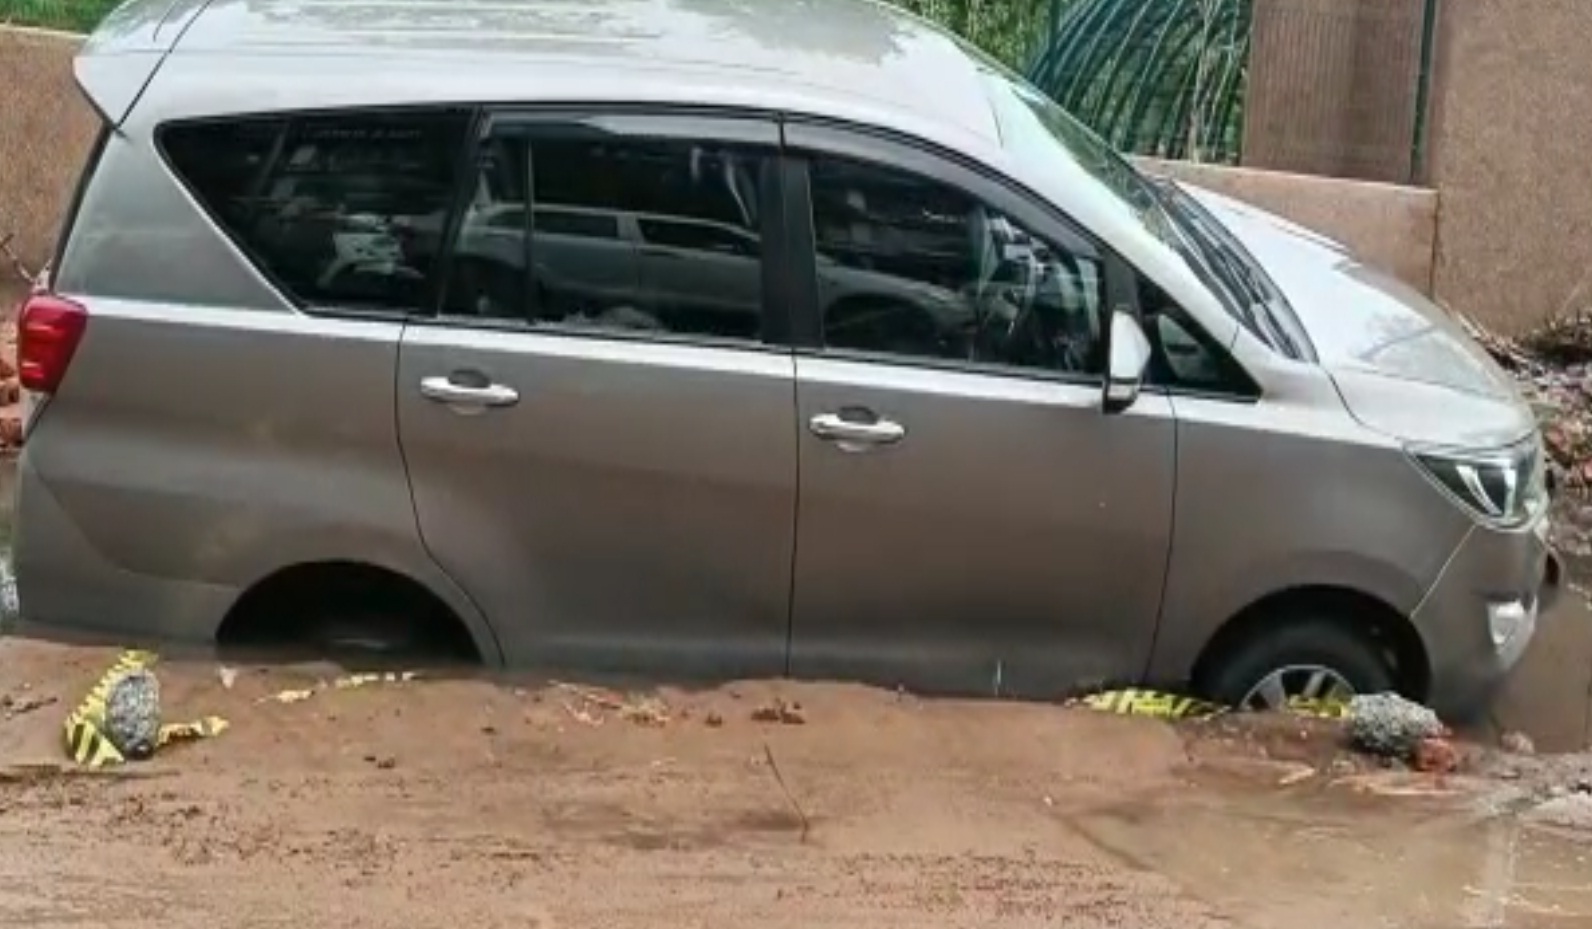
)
(1036, 128)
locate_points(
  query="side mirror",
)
(1130, 355)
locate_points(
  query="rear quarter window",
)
(339, 210)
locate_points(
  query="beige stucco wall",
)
(45, 133)
(1510, 142)
(1386, 225)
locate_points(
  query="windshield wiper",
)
(1250, 291)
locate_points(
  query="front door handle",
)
(446, 390)
(846, 432)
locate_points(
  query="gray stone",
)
(1389, 726)
(132, 714)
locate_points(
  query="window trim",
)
(749, 128)
(805, 137)
(286, 118)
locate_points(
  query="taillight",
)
(48, 330)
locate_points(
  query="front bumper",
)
(1480, 616)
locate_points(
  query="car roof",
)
(840, 58)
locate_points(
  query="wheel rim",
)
(1309, 682)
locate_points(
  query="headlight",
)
(1504, 486)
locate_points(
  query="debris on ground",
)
(1553, 367)
(1134, 701)
(789, 714)
(347, 682)
(119, 719)
(21, 706)
(643, 711)
(1517, 743)
(1389, 726)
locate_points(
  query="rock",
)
(1436, 756)
(10, 431)
(714, 720)
(1389, 726)
(1518, 743)
(132, 714)
(7, 369)
(10, 391)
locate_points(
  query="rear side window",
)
(340, 210)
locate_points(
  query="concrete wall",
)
(1388, 226)
(1509, 149)
(45, 133)
(46, 130)
(1333, 87)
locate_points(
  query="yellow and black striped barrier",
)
(86, 741)
(1161, 705)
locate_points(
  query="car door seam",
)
(414, 505)
(1171, 546)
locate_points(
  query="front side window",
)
(911, 267)
(1183, 357)
(659, 235)
(340, 210)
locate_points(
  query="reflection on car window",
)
(552, 221)
(698, 237)
(658, 235)
(341, 210)
(911, 267)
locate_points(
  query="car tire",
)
(1353, 655)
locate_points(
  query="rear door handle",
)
(845, 432)
(445, 390)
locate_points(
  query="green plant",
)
(1006, 29)
(70, 15)
(1155, 77)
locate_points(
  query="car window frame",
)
(753, 128)
(1039, 216)
(287, 117)
(806, 137)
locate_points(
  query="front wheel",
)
(1310, 659)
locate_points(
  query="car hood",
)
(1403, 364)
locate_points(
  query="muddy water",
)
(1329, 856)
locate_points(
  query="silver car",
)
(1159, 437)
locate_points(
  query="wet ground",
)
(448, 801)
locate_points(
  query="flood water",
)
(1463, 861)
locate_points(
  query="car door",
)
(970, 518)
(613, 486)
